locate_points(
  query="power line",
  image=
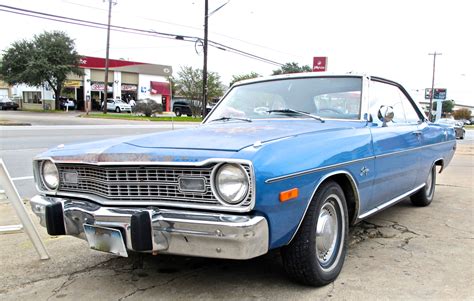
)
(130, 30)
(188, 26)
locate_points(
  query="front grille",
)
(141, 183)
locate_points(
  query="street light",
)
(432, 83)
(204, 68)
(106, 79)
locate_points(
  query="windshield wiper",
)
(296, 112)
(230, 118)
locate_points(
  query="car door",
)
(396, 143)
(110, 105)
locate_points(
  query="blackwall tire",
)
(425, 195)
(117, 109)
(177, 112)
(316, 254)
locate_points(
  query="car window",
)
(330, 97)
(411, 114)
(382, 94)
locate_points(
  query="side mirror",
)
(385, 114)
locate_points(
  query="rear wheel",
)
(316, 254)
(425, 195)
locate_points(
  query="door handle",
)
(418, 133)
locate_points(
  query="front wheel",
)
(177, 112)
(117, 109)
(316, 254)
(425, 195)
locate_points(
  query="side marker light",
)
(288, 195)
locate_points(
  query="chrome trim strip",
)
(353, 184)
(313, 170)
(309, 171)
(150, 163)
(103, 201)
(412, 149)
(389, 203)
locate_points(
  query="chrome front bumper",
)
(172, 231)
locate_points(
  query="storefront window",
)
(32, 97)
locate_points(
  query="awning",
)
(160, 88)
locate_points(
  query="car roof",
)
(310, 74)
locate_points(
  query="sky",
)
(389, 38)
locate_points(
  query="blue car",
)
(286, 162)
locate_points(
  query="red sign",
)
(320, 63)
(160, 88)
(99, 63)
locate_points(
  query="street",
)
(402, 253)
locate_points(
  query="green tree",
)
(292, 68)
(189, 85)
(239, 77)
(447, 106)
(48, 58)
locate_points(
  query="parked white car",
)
(118, 105)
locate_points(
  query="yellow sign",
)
(72, 83)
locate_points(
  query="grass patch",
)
(125, 116)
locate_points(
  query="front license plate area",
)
(104, 239)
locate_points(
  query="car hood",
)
(228, 136)
(219, 139)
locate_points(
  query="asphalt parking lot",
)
(402, 253)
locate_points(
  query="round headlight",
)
(231, 183)
(50, 174)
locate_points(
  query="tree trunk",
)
(57, 94)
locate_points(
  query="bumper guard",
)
(156, 230)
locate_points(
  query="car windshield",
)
(326, 97)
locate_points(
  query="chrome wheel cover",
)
(328, 230)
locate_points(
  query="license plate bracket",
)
(105, 239)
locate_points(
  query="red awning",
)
(160, 88)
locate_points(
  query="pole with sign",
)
(320, 63)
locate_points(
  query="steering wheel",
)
(337, 111)
(261, 110)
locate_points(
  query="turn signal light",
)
(288, 195)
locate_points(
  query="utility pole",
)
(204, 68)
(106, 80)
(432, 83)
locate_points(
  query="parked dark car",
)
(8, 104)
(182, 107)
(456, 124)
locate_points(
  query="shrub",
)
(148, 107)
